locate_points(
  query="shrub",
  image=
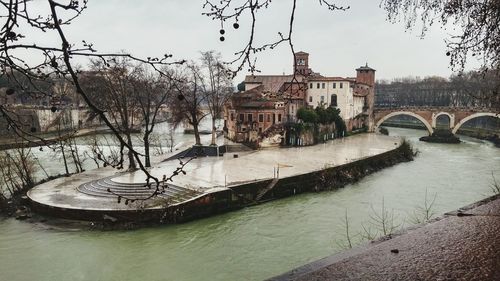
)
(384, 131)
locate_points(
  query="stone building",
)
(269, 101)
(354, 96)
(253, 115)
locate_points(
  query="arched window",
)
(333, 100)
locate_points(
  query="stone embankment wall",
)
(245, 194)
(308, 134)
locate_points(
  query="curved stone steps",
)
(100, 188)
(173, 199)
(174, 196)
(138, 190)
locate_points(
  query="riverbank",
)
(219, 184)
(460, 245)
(49, 138)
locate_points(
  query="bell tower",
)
(366, 75)
(301, 64)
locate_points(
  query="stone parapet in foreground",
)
(461, 245)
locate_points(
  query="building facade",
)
(269, 101)
(253, 115)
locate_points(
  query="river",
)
(259, 241)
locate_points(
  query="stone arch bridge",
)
(429, 115)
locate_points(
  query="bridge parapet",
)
(435, 108)
(428, 115)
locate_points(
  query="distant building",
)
(269, 101)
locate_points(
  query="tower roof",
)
(366, 67)
(301, 53)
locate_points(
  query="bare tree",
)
(103, 150)
(151, 92)
(20, 19)
(478, 36)
(478, 23)
(233, 10)
(17, 169)
(111, 87)
(220, 86)
(468, 89)
(187, 105)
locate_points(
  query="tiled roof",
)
(366, 67)
(322, 78)
(271, 83)
(258, 104)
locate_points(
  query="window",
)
(341, 84)
(261, 117)
(250, 117)
(268, 117)
(334, 85)
(310, 99)
(334, 100)
(242, 117)
(322, 85)
(310, 85)
(279, 117)
(317, 85)
(322, 99)
(232, 116)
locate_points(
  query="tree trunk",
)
(64, 157)
(147, 159)
(196, 134)
(213, 131)
(131, 160)
(78, 156)
(75, 161)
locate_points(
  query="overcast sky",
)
(338, 42)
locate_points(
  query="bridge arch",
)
(475, 115)
(392, 114)
(450, 116)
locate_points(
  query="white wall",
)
(359, 102)
(345, 100)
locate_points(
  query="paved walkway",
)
(206, 174)
(461, 245)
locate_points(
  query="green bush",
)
(322, 115)
(307, 115)
(384, 131)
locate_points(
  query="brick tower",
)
(366, 75)
(301, 63)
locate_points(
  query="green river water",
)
(256, 242)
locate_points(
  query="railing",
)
(434, 108)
